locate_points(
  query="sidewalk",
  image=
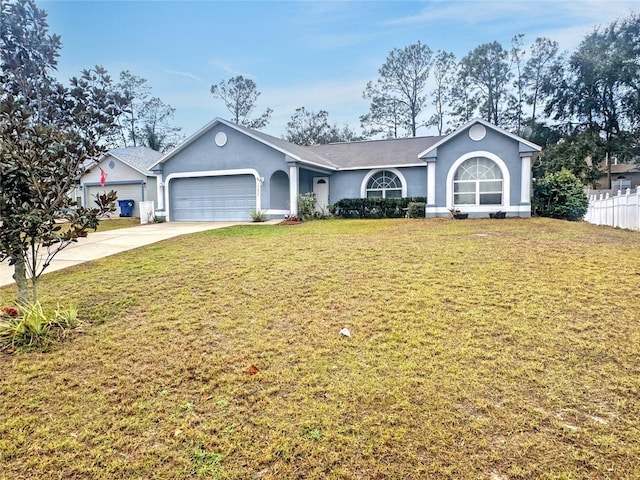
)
(102, 244)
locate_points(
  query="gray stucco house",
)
(126, 171)
(225, 171)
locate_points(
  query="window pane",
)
(491, 186)
(374, 193)
(464, 187)
(393, 193)
(490, 199)
(464, 199)
(384, 179)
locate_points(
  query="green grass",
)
(479, 349)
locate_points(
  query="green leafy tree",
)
(488, 72)
(240, 96)
(560, 195)
(313, 128)
(598, 91)
(572, 152)
(48, 134)
(400, 87)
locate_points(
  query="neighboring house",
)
(225, 171)
(127, 172)
(623, 176)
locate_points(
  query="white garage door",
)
(128, 191)
(202, 199)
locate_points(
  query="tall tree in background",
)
(444, 67)
(134, 92)
(402, 82)
(313, 128)
(386, 115)
(145, 120)
(240, 96)
(47, 135)
(598, 94)
(516, 101)
(538, 71)
(462, 99)
(488, 71)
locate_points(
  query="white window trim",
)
(211, 173)
(367, 177)
(506, 179)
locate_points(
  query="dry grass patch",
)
(480, 349)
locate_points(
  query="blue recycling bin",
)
(126, 207)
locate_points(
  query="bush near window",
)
(374, 207)
(416, 209)
(560, 195)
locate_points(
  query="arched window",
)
(384, 184)
(478, 181)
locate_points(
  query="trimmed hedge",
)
(374, 207)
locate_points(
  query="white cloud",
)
(224, 66)
(185, 74)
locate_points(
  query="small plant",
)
(207, 463)
(258, 216)
(314, 433)
(291, 220)
(457, 214)
(186, 406)
(158, 219)
(30, 326)
(498, 214)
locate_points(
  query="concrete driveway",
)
(102, 244)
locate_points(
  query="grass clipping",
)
(477, 349)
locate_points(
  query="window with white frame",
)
(384, 184)
(478, 181)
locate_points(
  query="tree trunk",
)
(20, 276)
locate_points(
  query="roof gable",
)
(524, 145)
(296, 152)
(138, 158)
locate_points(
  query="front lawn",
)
(479, 349)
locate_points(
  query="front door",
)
(321, 191)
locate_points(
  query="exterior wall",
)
(507, 149)
(348, 184)
(240, 152)
(118, 175)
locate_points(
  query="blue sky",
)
(316, 54)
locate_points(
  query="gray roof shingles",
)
(375, 153)
(140, 158)
(348, 155)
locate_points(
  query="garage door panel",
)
(223, 198)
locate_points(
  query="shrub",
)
(30, 326)
(374, 207)
(560, 195)
(416, 209)
(306, 206)
(258, 216)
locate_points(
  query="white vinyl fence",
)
(620, 211)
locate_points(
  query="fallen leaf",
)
(252, 370)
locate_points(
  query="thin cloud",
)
(185, 74)
(227, 67)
